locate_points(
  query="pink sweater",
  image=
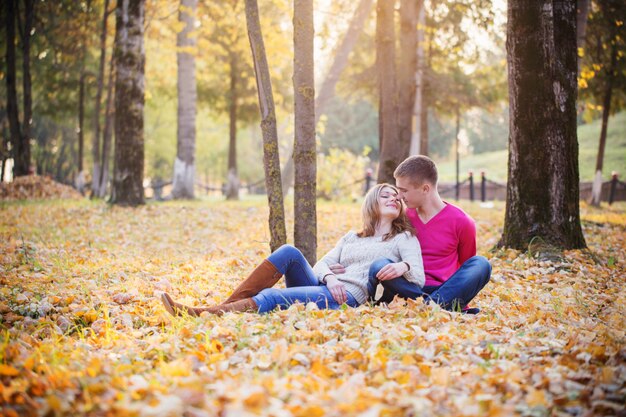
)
(447, 241)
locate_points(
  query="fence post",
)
(368, 180)
(471, 186)
(614, 176)
(483, 186)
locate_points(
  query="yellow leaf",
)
(536, 397)
(8, 370)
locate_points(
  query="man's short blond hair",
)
(418, 169)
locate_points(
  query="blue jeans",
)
(302, 285)
(454, 294)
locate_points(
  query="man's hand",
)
(337, 269)
(337, 289)
(391, 271)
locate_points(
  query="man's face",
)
(413, 196)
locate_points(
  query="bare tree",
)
(129, 103)
(542, 190)
(271, 161)
(184, 166)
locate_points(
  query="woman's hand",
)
(337, 289)
(391, 271)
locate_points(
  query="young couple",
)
(439, 265)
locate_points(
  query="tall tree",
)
(305, 213)
(327, 89)
(184, 166)
(129, 103)
(107, 135)
(390, 151)
(96, 189)
(80, 177)
(542, 189)
(20, 132)
(271, 161)
(610, 34)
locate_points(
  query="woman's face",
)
(388, 203)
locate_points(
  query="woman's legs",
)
(286, 260)
(270, 298)
(290, 262)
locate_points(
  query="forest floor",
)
(83, 331)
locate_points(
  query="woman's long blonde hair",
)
(371, 215)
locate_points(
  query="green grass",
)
(495, 163)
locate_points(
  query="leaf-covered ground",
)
(83, 331)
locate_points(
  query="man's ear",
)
(426, 187)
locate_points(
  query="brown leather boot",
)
(264, 276)
(177, 309)
(247, 304)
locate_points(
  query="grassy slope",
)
(495, 163)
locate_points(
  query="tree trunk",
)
(79, 181)
(419, 137)
(542, 189)
(109, 118)
(582, 7)
(305, 214)
(271, 161)
(97, 166)
(129, 104)
(19, 167)
(407, 69)
(232, 184)
(184, 166)
(29, 11)
(390, 151)
(596, 190)
(327, 89)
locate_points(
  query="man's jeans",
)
(302, 285)
(454, 294)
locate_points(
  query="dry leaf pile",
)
(35, 187)
(83, 332)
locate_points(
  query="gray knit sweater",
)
(356, 254)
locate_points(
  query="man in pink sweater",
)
(447, 236)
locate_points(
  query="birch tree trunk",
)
(390, 155)
(271, 161)
(184, 166)
(232, 183)
(305, 213)
(596, 190)
(97, 166)
(129, 103)
(109, 118)
(543, 182)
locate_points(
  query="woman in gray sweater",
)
(384, 249)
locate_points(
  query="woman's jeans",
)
(302, 285)
(454, 294)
